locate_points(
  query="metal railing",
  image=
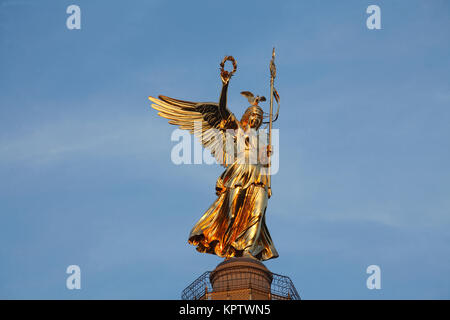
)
(281, 288)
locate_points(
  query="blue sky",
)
(85, 170)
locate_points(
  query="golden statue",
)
(234, 225)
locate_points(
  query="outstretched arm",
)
(225, 76)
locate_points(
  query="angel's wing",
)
(206, 120)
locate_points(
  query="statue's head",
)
(253, 117)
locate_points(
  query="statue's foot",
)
(247, 254)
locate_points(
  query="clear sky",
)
(85, 170)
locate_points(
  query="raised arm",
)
(225, 76)
(223, 99)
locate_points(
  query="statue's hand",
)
(269, 151)
(264, 155)
(225, 76)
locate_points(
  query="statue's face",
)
(254, 120)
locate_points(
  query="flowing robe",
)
(234, 225)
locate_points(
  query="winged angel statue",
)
(234, 225)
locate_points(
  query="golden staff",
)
(273, 74)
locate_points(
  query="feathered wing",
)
(205, 120)
(248, 95)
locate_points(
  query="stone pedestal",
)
(241, 279)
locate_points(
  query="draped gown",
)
(234, 225)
